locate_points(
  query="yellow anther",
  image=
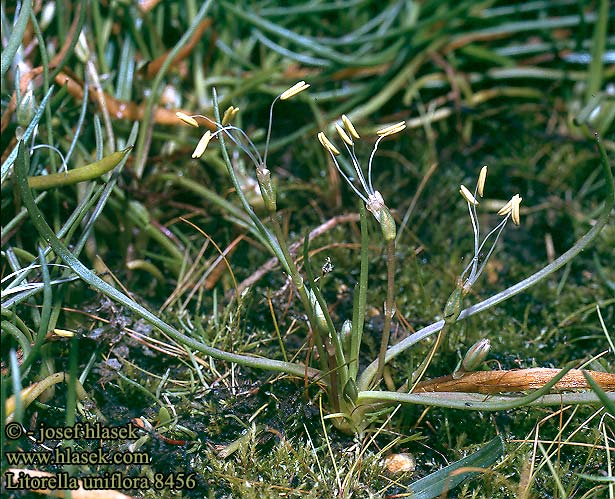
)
(467, 195)
(327, 144)
(343, 135)
(63, 333)
(515, 202)
(391, 129)
(202, 145)
(481, 180)
(294, 90)
(505, 210)
(229, 114)
(189, 120)
(350, 127)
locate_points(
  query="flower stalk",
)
(327, 351)
(374, 202)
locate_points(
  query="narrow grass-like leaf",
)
(555, 474)
(609, 402)
(596, 66)
(99, 285)
(335, 339)
(144, 131)
(81, 174)
(77, 24)
(46, 311)
(442, 481)
(17, 386)
(16, 333)
(479, 402)
(359, 306)
(313, 45)
(71, 382)
(14, 41)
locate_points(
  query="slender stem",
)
(297, 279)
(358, 315)
(273, 242)
(389, 309)
(276, 241)
(269, 132)
(339, 360)
(14, 41)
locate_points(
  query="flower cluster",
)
(241, 140)
(372, 198)
(510, 210)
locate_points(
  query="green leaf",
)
(452, 475)
(609, 405)
(14, 41)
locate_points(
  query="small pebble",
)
(400, 463)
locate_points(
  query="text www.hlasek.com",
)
(67, 455)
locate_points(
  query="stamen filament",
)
(371, 159)
(347, 179)
(269, 131)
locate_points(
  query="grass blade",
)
(452, 475)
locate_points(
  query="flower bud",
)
(268, 191)
(345, 335)
(387, 224)
(26, 109)
(375, 204)
(452, 308)
(318, 313)
(476, 354)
